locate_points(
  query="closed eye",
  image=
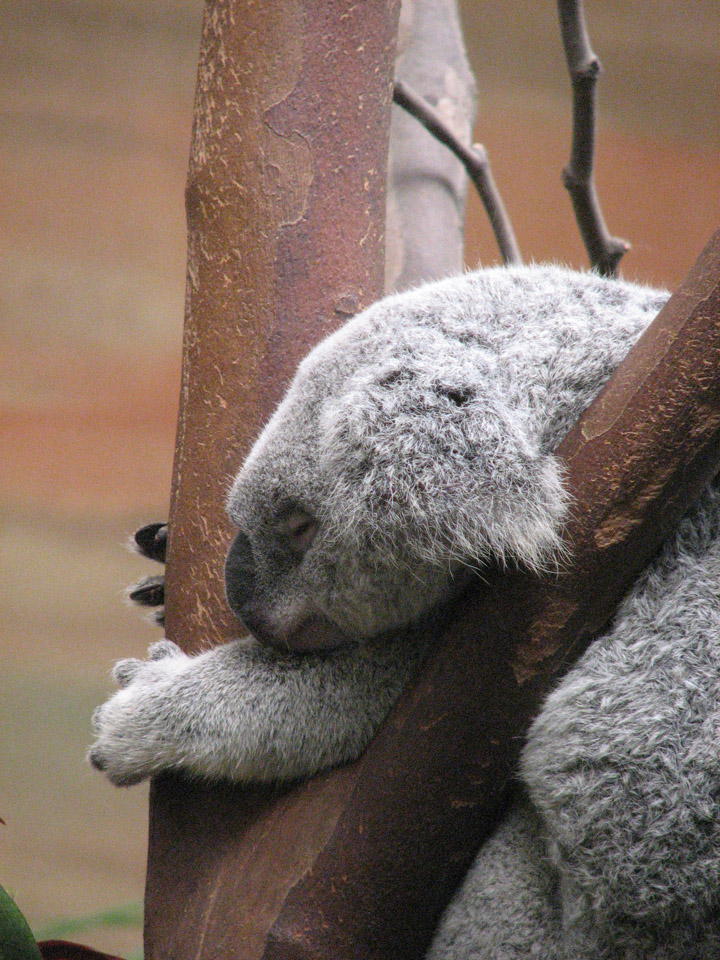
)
(300, 529)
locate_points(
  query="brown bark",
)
(285, 201)
(285, 204)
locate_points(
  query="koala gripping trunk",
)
(285, 210)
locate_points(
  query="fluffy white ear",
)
(438, 466)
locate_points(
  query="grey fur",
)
(413, 445)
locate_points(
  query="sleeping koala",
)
(415, 445)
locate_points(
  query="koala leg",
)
(507, 907)
(246, 712)
(624, 768)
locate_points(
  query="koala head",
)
(393, 468)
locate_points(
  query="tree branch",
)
(476, 163)
(604, 250)
(636, 460)
(427, 187)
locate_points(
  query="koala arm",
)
(244, 712)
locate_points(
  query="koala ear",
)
(442, 467)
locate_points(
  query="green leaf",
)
(16, 940)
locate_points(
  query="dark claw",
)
(96, 758)
(151, 541)
(150, 592)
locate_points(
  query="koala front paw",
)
(133, 729)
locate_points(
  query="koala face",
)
(404, 456)
(317, 562)
(416, 444)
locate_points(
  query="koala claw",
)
(124, 671)
(162, 649)
(149, 592)
(151, 541)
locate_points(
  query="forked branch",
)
(604, 250)
(476, 163)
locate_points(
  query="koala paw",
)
(125, 671)
(133, 728)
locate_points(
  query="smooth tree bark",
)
(476, 162)
(427, 185)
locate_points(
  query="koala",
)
(415, 446)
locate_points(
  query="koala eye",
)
(300, 528)
(457, 395)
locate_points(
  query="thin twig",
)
(474, 159)
(604, 251)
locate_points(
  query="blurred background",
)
(95, 116)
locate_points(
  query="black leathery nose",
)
(239, 574)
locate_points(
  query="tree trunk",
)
(285, 205)
(427, 184)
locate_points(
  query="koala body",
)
(414, 445)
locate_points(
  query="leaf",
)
(16, 939)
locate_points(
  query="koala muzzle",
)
(314, 633)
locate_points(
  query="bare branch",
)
(427, 187)
(639, 456)
(604, 251)
(476, 163)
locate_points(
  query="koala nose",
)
(240, 590)
(240, 575)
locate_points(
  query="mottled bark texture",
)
(427, 185)
(285, 202)
(285, 205)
